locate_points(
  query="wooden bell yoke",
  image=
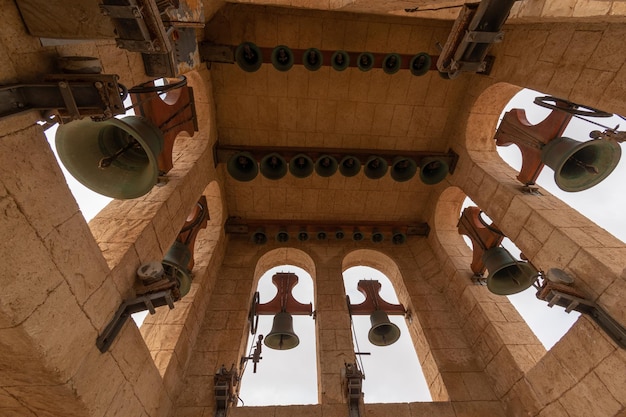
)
(172, 114)
(516, 129)
(373, 301)
(483, 236)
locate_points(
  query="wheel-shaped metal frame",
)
(253, 317)
(555, 103)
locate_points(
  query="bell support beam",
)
(173, 114)
(373, 301)
(72, 96)
(239, 226)
(483, 237)
(516, 129)
(572, 299)
(223, 153)
(161, 287)
(352, 382)
(210, 52)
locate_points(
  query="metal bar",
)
(126, 309)
(225, 151)
(246, 226)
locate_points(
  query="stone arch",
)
(307, 355)
(283, 256)
(388, 266)
(381, 262)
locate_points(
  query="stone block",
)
(612, 373)
(554, 410)
(590, 397)
(504, 371)
(456, 360)
(30, 282)
(125, 403)
(549, 379)
(582, 348)
(521, 400)
(62, 332)
(132, 353)
(103, 304)
(435, 409)
(384, 410)
(97, 381)
(298, 410)
(76, 254)
(478, 408)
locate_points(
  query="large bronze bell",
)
(383, 332)
(580, 165)
(176, 262)
(349, 166)
(243, 167)
(301, 166)
(115, 157)
(273, 166)
(249, 57)
(282, 336)
(326, 166)
(433, 170)
(403, 169)
(375, 167)
(507, 275)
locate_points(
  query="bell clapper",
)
(107, 161)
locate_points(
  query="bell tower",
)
(320, 135)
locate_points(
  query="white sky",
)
(603, 204)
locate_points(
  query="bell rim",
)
(230, 165)
(290, 60)
(596, 179)
(152, 147)
(308, 172)
(280, 174)
(426, 68)
(307, 65)
(252, 68)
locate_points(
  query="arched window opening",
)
(381, 365)
(548, 324)
(599, 203)
(288, 376)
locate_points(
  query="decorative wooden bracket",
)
(371, 289)
(284, 300)
(174, 113)
(516, 129)
(197, 220)
(483, 236)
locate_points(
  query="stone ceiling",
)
(330, 109)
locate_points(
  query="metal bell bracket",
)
(371, 289)
(71, 96)
(196, 221)
(225, 389)
(174, 114)
(471, 36)
(558, 293)
(283, 301)
(135, 305)
(482, 235)
(352, 379)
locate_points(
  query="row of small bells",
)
(242, 166)
(249, 57)
(260, 236)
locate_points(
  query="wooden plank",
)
(65, 19)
